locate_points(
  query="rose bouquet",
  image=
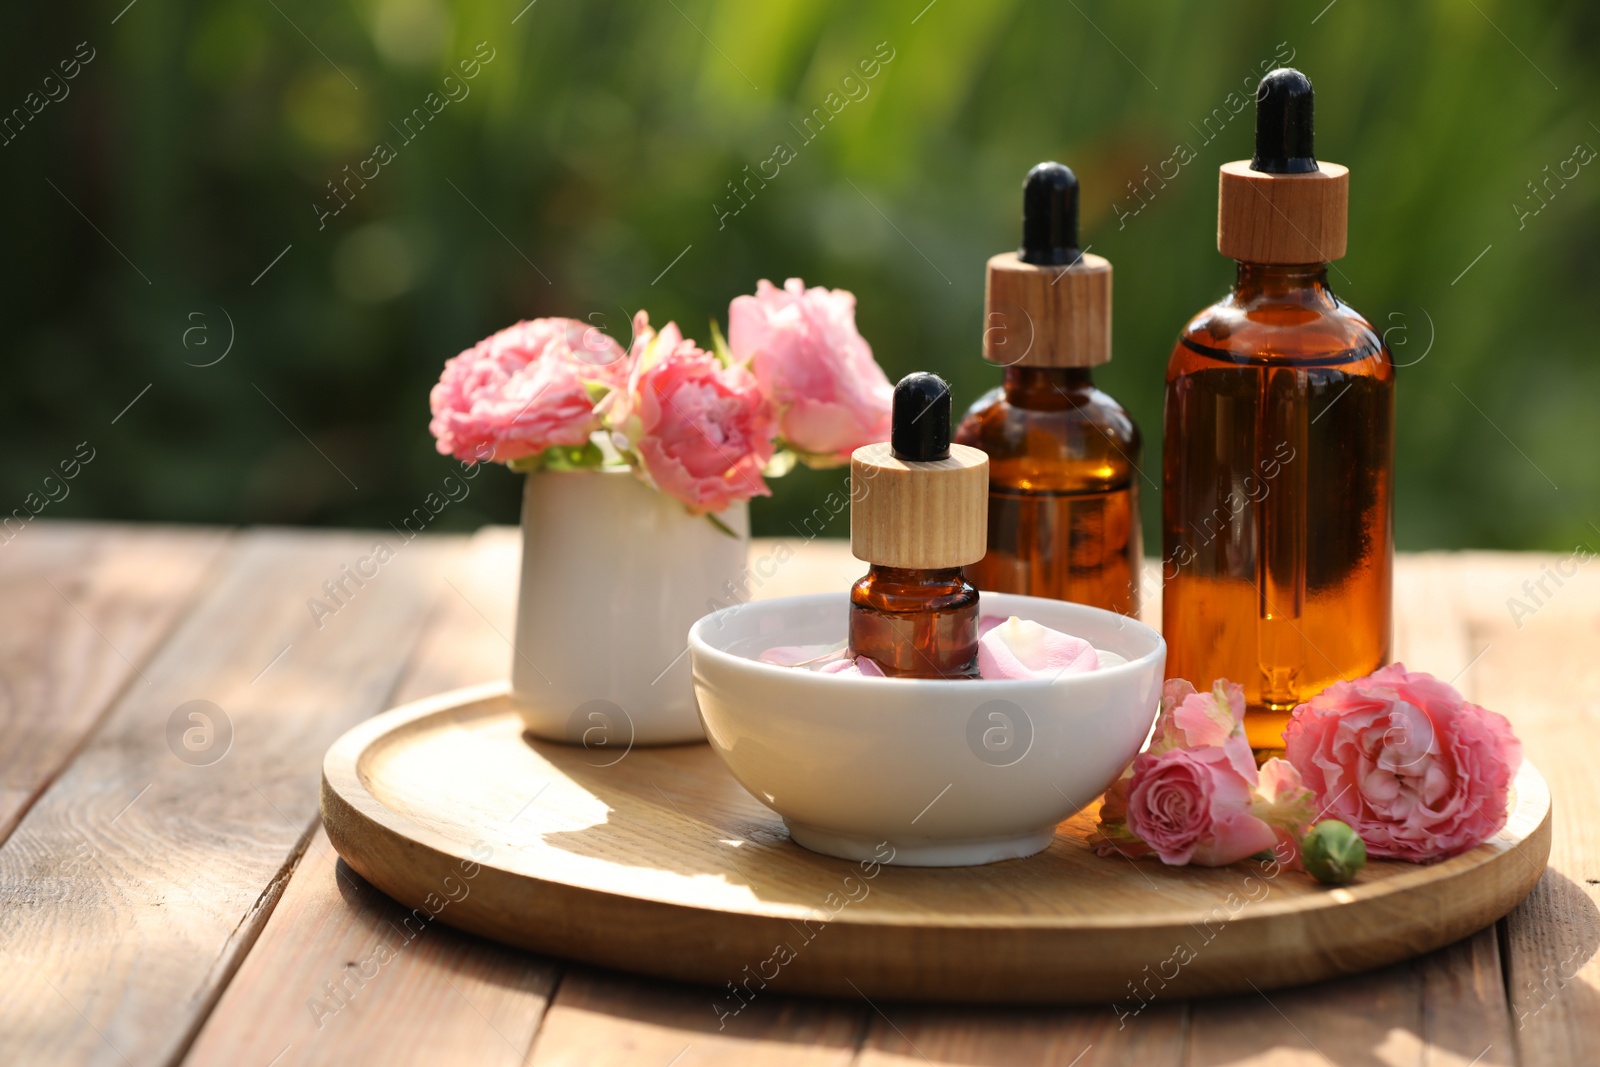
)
(794, 380)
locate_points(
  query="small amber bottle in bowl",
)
(917, 517)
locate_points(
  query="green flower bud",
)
(1332, 852)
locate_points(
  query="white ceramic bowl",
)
(942, 772)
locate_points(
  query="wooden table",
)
(157, 909)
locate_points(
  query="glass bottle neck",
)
(1296, 282)
(1046, 388)
(912, 576)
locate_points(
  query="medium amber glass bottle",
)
(1277, 497)
(1063, 456)
(917, 516)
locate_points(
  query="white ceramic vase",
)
(613, 575)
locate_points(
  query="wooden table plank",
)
(436, 997)
(88, 603)
(1064, 1037)
(1443, 1010)
(116, 951)
(1446, 1008)
(338, 976)
(1542, 672)
(1466, 1014)
(1370, 1019)
(1431, 631)
(603, 1019)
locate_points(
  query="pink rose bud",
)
(1417, 771)
(523, 390)
(1019, 648)
(1332, 852)
(696, 429)
(830, 395)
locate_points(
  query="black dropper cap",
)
(920, 430)
(1283, 124)
(1049, 216)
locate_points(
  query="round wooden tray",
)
(654, 860)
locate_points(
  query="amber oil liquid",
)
(1063, 489)
(1277, 502)
(916, 623)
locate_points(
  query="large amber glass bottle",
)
(1277, 496)
(1063, 455)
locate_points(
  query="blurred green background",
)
(585, 170)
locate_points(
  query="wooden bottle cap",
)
(919, 515)
(1038, 315)
(1282, 218)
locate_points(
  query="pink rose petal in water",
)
(1008, 649)
(1020, 648)
(803, 655)
(823, 659)
(860, 667)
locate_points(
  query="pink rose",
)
(1017, 648)
(696, 429)
(1195, 796)
(1416, 770)
(1193, 806)
(830, 395)
(523, 390)
(1190, 719)
(1284, 803)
